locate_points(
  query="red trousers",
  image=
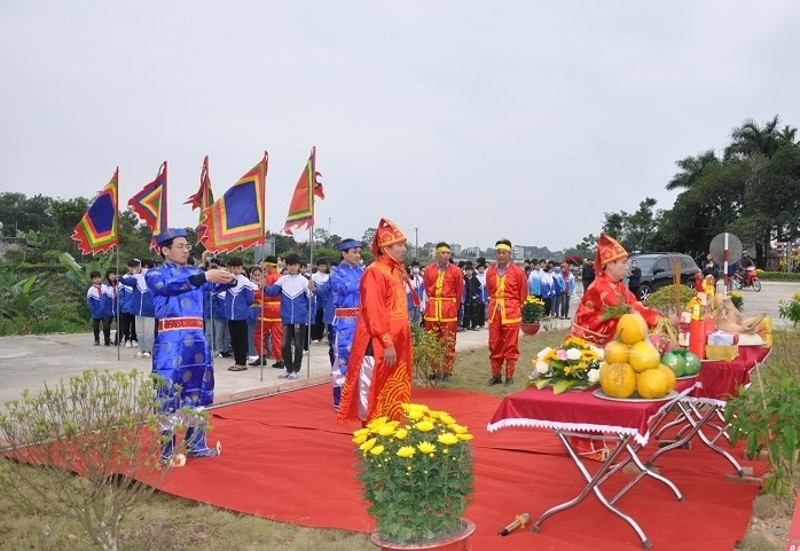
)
(275, 330)
(503, 346)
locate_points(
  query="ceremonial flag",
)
(203, 198)
(151, 203)
(98, 229)
(301, 208)
(236, 220)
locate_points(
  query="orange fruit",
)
(653, 383)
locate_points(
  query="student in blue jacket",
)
(237, 310)
(96, 299)
(295, 292)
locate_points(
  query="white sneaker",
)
(146, 355)
(292, 376)
(137, 355)
(315, 341)
(134, 343)
(128, 344)
(285, 375)
(252, 358)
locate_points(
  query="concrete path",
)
(29, 361)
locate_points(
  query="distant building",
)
(471, 252)
(518, 252)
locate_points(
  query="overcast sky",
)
(469, 120)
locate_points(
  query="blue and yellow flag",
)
(301, 207)
(98, 229)
(151, 203)
(237, 219)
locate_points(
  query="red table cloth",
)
(581, 412)
(720, 380)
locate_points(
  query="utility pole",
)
(416, 244)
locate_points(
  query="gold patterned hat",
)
(608, 250)
(387, 234)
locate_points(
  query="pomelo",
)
(616, 352)
(617, 380)
(643, 356)
(631, 328)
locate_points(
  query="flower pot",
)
(459, 542)
(529, 328)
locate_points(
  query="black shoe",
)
(97, 343)
(495, 381)
(433, 376)
(278, 365)
(446, 377)
(261, 361)
(509, 381)
(108, 343)
(226, 355)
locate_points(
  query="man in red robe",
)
(379, 371)
(444, 288)
(607, 291)
(507, 287)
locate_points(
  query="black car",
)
(657, 270)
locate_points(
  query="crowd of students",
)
(246, 322)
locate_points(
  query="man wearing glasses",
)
(180, 353)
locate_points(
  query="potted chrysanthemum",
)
(532, 312)
(417, 477)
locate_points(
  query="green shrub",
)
(663, 300)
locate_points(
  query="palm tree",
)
(691, 169)
(787, 135)
(750, 140)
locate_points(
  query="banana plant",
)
(19, 297)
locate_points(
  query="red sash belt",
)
(346, 312)
(171, 324)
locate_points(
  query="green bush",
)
(663, 300)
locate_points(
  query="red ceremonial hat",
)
(608, 250)
(386, 234)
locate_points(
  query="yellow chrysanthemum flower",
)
(368, 444)
(466, 437)
(448, 439)
(401, 434)
(458, 429)
(359, 432)
(406, 452)
(388, 428)
(424, 426)
(415, 414)
(377, 423)
(361, 438)
(377, 450)
(426, 447)
(446, 419)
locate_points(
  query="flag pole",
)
(310, 264)
(116, 293)
(262, 353)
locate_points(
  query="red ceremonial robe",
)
(444, 290)
(383, 322)
(506, 294)
(601, 294)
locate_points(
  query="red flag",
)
(98, 229)
(151, 203)
(203, 198)
(301, 207)
(236, 220)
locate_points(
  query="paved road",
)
(29, 361)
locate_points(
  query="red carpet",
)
(285, 458)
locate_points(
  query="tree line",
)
(751, 189)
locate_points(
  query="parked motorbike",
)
(746, 278)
